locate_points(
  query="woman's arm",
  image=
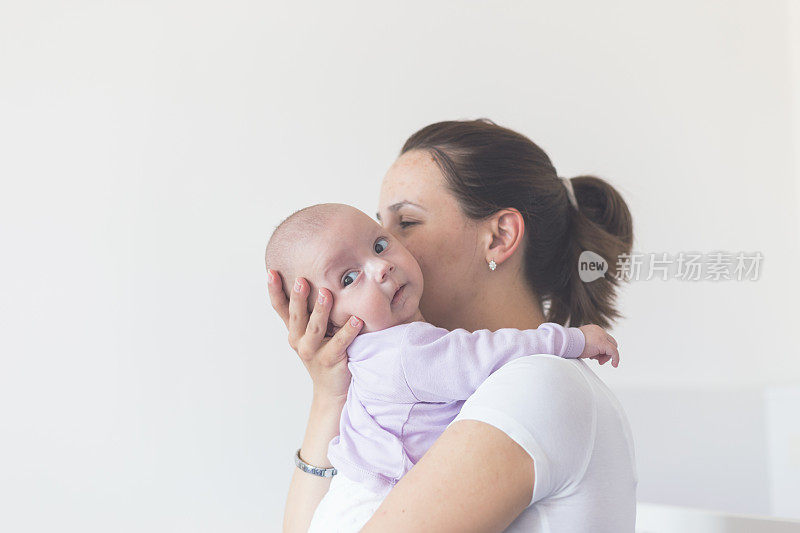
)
(307, 490)
(325, 360)
(473, 478)
(527, 432)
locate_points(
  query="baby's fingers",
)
(614, 353)
(612, 340)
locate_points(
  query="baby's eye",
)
(380, 245)
(349, 277)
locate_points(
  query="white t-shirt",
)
(575, 430)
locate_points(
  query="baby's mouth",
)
(398, 294)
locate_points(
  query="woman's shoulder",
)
(546, 405)
(535, 394)
(538, 377)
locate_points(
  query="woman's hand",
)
(325, 358)
(326, 362)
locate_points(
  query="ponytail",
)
(601, 224)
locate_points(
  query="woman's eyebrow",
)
(396, 207)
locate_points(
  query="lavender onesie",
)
(410, 381)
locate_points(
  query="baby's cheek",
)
(339, 314)
(332, 329)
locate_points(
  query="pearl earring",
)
(492, 265)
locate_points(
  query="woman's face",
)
(417, 208)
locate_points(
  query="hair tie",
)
(570, 191)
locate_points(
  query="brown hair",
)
(488, 168)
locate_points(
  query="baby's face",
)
(370, 273)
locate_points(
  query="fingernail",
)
(270, 276)
(297, 285)
(355, 322)
(320, 298)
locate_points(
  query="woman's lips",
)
(398, 294)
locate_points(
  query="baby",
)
(409, 378)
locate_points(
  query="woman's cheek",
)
(411, 244)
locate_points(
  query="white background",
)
(147, 149)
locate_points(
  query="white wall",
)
(794, 44)
(148, 148)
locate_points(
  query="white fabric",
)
(345, 508)
(573, 427)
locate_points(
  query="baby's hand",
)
(599, 345)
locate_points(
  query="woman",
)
(542, 445)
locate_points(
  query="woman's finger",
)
(276, 295)
(338, 344)
(318, 322)
(298, 311)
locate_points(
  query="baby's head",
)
(367, 270)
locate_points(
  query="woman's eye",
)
(349, 277)
(407, 223)
(380, 245)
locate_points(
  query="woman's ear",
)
(504, 232)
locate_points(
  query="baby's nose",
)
(382, 272)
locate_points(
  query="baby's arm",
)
(441, 365)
